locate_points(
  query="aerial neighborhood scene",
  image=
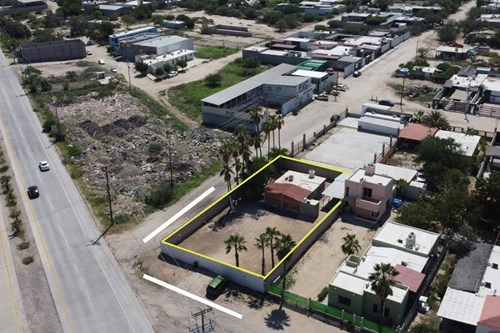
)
(250, 166)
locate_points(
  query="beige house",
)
(369, 195)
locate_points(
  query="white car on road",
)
(44, 166)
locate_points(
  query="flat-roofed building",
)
(154, 46)
(275, 87)
(369, 195)
(350, 287)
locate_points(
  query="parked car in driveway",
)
(340, 87)
(216, 286)
(356, 74)
(321, 97)
(172, 74)
(33, 192)
(386, 102)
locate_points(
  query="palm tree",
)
(226, 151)
(280, 121)
(245, 153)
(227, 172)
(267, 128)
(237, 242)
(418, 116)
(261, 242)
(274, 124)
(256, 115)
(351, 244)
(272, 234)
(284, 244)
(436, 119)
(237, 168)
(381, 282)
(276, 152)
(257, 144)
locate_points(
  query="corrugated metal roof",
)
(273, 75)
(461, 306)
(291, 191)
(416, 132)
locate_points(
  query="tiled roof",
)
(292, 191)
(409, 277)
(490, 316)
(416, 132)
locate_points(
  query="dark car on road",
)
(386, 102)
(33, 192)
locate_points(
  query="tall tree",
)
(284, 244)
(280, 121)
(236, 242)
(267, 128)
(272, 234)
(237, 169)
(261, 242)
(274, 126)
(256, 116)
(351, 244)
(227, 172)
(382, 281)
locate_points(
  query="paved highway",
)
(90, 292)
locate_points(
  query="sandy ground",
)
(323, 259)
(250, 220)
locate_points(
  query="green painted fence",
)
(330, 311)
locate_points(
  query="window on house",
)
(347, 191)
(375, 308)
(367, 192)
(375, 214)
(344, 300)
(386, 312)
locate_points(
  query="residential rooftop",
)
(395, 172)
(490, 316)
(461, 306)
(396, 234)
(490, 283)
(468, 143)
(470, 269)
(303, 180)
(360, 176)
(416, 132)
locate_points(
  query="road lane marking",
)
(192, 296)
(179, 214)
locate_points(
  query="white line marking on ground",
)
(192, 296)
(179, 214)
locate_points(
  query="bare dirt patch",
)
(250, 220)
(317, 267)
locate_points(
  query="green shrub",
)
(322, 294)
(121, 219)
(23, 246)
(155, 148)
(159, 196)
(14, 213)
(28, 260)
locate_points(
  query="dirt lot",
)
(120, 133)
(250, 220)
(325, 256)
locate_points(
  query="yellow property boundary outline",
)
(165, 240)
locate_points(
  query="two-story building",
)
(275, 87)
(407, 249)
(369, 195)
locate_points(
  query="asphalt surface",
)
(89, 290)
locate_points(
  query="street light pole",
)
(110, 208)
(129, 80)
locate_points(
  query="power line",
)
(205, 327)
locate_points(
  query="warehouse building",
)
(52, 51)
(153, 46)
(115, 38)
(275, 87)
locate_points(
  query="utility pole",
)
(110, 208)
(170, 166)
(402, 91)
(129, 80)
(205, 328)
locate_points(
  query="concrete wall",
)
(53, 51)
(235, 275)
(186, 44)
